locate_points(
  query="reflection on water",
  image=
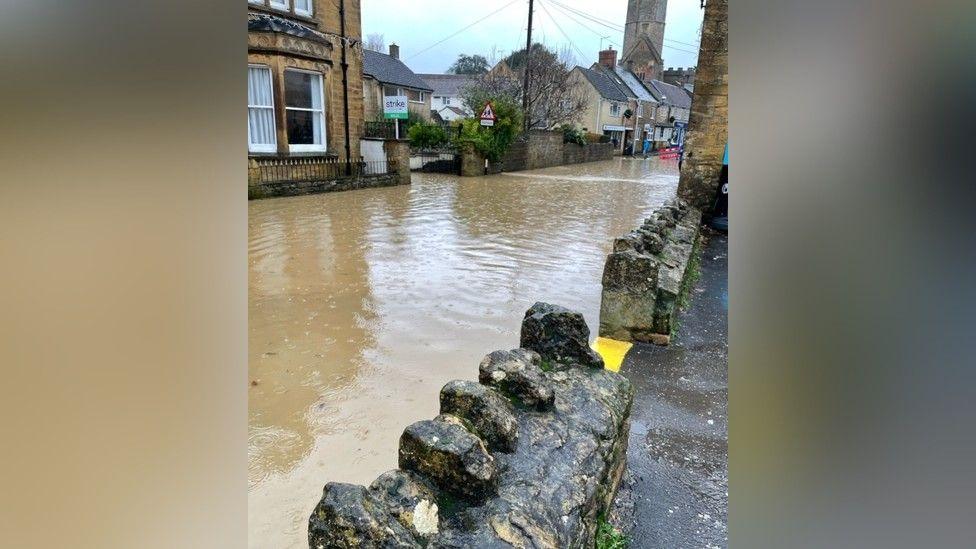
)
(363, 304)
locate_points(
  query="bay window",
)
(260, 110)
(304, 111)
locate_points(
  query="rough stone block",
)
(347, 517)
(632, 241)
(631, 272)
(558, 335)
(444, 452)
(518, 374)
(409, 500)
(486, 412)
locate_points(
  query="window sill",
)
(308, 20)
(307, 150)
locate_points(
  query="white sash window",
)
(260, 110)
(303, 7)
(304, 111)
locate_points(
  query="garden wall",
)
(537, 149)
(529, 456)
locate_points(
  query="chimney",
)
(394, 51)
(608, 58)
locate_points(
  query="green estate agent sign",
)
(395, 106)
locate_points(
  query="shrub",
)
(426, 135)
(493, 142)
(573, 135)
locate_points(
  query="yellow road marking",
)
(612, 351)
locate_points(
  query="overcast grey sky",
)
(418, 24)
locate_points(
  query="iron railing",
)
(319, 168)
(381, 129)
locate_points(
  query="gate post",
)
(399, 151)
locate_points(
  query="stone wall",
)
(537, 149)
(529, 456)
(645, 274)
(708, 126)
(257, 190)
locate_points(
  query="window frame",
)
(309, 13)
(284, 5)
(264, 147)
(615, 109)
(301, 147)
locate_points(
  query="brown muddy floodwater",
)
(363, 304)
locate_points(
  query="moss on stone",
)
(692, 274)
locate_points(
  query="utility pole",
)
(345, 83)
(528, 56)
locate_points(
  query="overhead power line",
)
(592, 18)
(445, 39)
(567, 10)
(682, 43)
(570, 40)
(580, 23)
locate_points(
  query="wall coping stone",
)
(644, 274)
(529, 457)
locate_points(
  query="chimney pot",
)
(608, 58)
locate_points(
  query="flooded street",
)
(363, 304)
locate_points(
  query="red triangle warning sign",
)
(488, 113)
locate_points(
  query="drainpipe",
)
(599, 117)
(345, 84)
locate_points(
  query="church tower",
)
(644, 37)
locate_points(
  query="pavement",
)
(675, 491)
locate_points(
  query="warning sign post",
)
(488, 115)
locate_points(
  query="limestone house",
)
(619, 104)
(297, 105)
(447, 94)
(386, 75)
(671, 122)
(607, 105)
(645, 112)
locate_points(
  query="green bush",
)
(493, 142)
(571, 134)
(426, 135)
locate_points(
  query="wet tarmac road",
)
(675, 492)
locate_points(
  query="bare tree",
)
(375, 42)
(554, 99)
(567, 57)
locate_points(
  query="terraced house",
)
(619, 104)
(304, 79)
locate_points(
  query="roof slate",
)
(604, 85)
(447, 84)
(634, 84)
(388, 70)
(672, 95)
